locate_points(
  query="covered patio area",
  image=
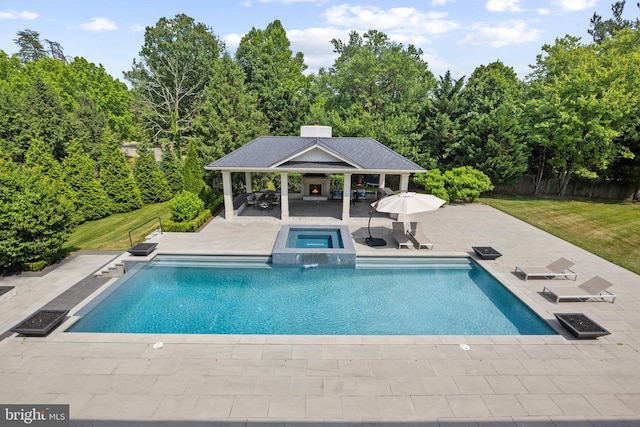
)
(315, 156)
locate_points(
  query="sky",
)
(454, 35)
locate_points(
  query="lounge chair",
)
(418, 237)
(558, 268)
(400, 234)
(596, 288)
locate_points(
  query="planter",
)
(41, 322)
(142, 249)
(580, 325)
(486, 252)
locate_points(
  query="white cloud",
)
(544, 11)
(575, 5)
(401, 19)
(99, 24)
(136, 28)
(248, 3)
(441, 2)
(24, 15)
(511, 32)
(504, 6)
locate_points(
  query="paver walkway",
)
(405, 380)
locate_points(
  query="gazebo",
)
(315, 154)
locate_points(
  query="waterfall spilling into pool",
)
(314, 246)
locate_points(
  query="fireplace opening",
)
(315, 189)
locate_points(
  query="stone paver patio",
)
(339, 380)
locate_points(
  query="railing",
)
(142, 225)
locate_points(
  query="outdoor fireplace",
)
(315, 189)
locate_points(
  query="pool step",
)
(114, 269)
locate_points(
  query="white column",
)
(404, 182)
(346, 197)
(247, 182)
(382, 180)
(227, 188)
(284, 196)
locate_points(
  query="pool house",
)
(316, 155)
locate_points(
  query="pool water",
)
(195, 296)
(314, 239)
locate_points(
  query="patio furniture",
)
(361, 195)
(558, 268)
(400, 234)
(594, 288)
(336, 195)
(251, 200)
(418, 237)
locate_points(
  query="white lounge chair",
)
(400, 234)
(417, 235)
(558, 268)
(595, 288)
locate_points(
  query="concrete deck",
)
(341, 380)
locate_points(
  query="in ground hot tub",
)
(314, 245)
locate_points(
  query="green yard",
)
(609, 229)
(112, 233)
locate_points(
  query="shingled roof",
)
(297, 153)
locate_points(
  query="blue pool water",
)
(408, 297)
(314, 238)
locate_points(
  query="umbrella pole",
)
(373, 241)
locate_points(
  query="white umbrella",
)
(408, 203)
(403, 203)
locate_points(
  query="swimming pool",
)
(205, 295)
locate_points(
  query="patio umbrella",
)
(408, 203)
(403, 203)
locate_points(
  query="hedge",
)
(187, 226)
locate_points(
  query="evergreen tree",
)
(116, 178)
(192, 176)
(79, 173)
(230, 117)
(39, 155)
(171, 167)
(36, 218)
(151, 181)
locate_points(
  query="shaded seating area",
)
(417, 235)
(594, 288)
(559, 268)
(400, 234)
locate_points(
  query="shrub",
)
(466, 183)
(187, 226)
(433, 183)
(185, 206)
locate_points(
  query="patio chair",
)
(595, 288)
(559, 268)
(336, 195)
(251, 200)
(400, 234)
(418, 237)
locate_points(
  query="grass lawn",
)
(112, 233)
(609, 229)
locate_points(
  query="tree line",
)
(62, 119)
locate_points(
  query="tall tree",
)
(169, 79)
(275, 76)
(442, 131)
(375, 88)
(601, 29)
(171, 167)
(151, 182)
(79, 174)
(192, 175)
(493, 141)
(31, 48)
(117, 179)
(230, 117)
(573, 110)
